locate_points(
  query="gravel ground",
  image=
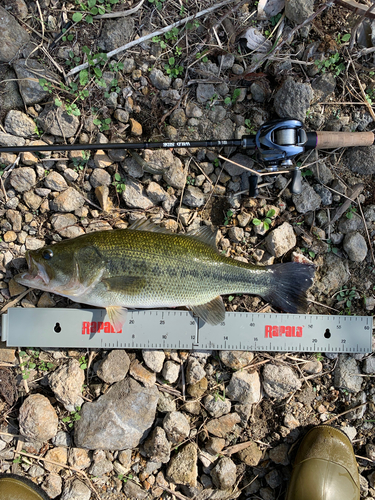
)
(154, 424)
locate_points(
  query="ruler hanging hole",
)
(57, 328)
(327, 334)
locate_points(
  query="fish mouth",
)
(36, 276)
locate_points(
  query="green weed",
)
(119, 183)
(73, 417)
(267, 221)
(333, 63)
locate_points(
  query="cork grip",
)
(326, 140)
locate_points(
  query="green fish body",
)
(146, 267)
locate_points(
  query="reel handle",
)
(253, 186)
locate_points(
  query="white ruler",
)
(175, 329)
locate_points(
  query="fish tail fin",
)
(289, 285)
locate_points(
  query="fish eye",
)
(47, 254)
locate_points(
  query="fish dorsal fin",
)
(146, 225)
(205, 235)
(212, 312)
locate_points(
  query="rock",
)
(293, 99)
(37, 418)
(251, 455)
(204, 92)
(193, 197)
(66, 383)
(280, 240)
(166, 403)
(197, 390)
(361, 160)
(355, 246)
(217, 114)
(102, 160)
(62, 438)
(135, 128)
(66, 225)
(178, 118)
(335, 275)
(23, 179)
(177, 427)
(194, 371)
(224, 474)
(79, 458)
(313, 367)
(119, 419)
(175, 176)
(220, 427)
(140, 373)
(323, 86)
(182, 468)
(236, 359)
(33, 243)
(101, 465)
(56, 121)
(346, 374)
(100, 177)
(321, 172)
(351, 225)
(156, 193)
(298, 12)
(236, 234)
(67, 201)
(157, 446)
(244, 387)
(20, 124)
(116, 33)
(226, 61)
(13, 36)
(134, 490)
(30, 89)
(216, 406)
(9, 236)
(154, 359)
(279, 381)
(235, 170)
(32, 200)
(308, 200)
(36, 471)
(76, 490)
(52, 485)
(279, 454)
(121, 115)
(193, 111)
(114, 367)
(55, 182)
(58, 454)
(135, 195)
(159, 80)
(369, 365)
(171, 371)
(214, 445)
(324, 193)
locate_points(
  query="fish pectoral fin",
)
(129, 284)
(212, 312)
(117, 316)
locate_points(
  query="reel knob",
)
(253, 186)
(296, 186)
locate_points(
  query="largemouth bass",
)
(145, 266)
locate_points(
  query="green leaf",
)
(266, 225)
(171, 61)
(97, 122)
(227, 100)
(267, 221)
(98, 72)
(257, 222)
(346, 38)
(89, 19)
(117, 177)
(58, 103)
(77, 17)
(271, 213)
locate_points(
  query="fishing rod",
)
(277, 143)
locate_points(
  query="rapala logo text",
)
(96, 327)
(279, 331)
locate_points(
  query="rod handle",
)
(326, 140)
